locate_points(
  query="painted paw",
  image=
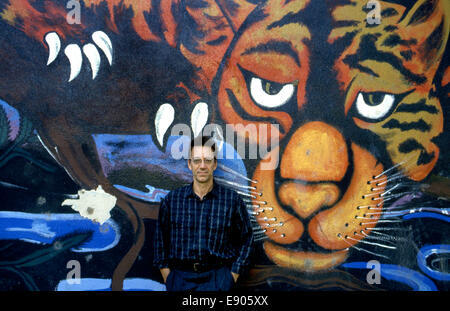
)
(93, 204)
(75, 54)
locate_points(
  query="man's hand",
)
(235, 276)
(165, 272)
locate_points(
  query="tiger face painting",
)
(351, 100)
(357, 104)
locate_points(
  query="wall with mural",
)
(331, 119)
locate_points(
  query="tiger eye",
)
(373, 99)
(271, 88)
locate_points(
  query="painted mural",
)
(331, 118)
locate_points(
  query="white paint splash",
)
(93, 204)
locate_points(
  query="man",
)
(203, 235)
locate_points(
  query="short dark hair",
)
(204, 141)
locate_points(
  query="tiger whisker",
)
(380, 221)
(262, 209)
(382, 193)
(381, 212)
(372, 243)
(405, 208)
(371, 194)
(444, 211)
(233, 184)
(259, 231)
(368, 206)
(393, 167)
(375, 208)
(268, 219)
(394, 187)
(362, 249)
(260, 238)
(383, 221)
(274, 225)
(373, 238)
(393, 196)
(252, 206)
(229, 170)
(390, 237)
(378, 213)
(379, 233)
(384, 173)
(387, 216)
(391, 178)
(254, 201)
(387, 228)
(246, 194)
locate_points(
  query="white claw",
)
(218, 137)
(54, 46)
(93, 56)
(102, 40)
(73, 53)
(199, 117)
(163, 119)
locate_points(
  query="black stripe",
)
(275, 46)
(423, 12)
(217, 41)
(434, 40)
(243, 114)
(367, 50)
(407, 55)
(366, 70)
(417, 107)
(394, 40)
(411, 145)
(420, 125)
(389, 12)
(197, 4)
(425, 157)
(390, 28)
(345, 23)
(291, 18)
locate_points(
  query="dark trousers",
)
(219, 279)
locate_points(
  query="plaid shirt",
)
(217, 227)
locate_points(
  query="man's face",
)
(202, 163)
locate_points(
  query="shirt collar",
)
(214, 191)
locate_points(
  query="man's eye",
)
(374, 106)
(199, 161)
(270, 94)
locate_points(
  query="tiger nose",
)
(316, 152)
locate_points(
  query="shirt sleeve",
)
(244, 235)
(161, 240)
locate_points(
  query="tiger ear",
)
(428, 22)
(207, 29)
